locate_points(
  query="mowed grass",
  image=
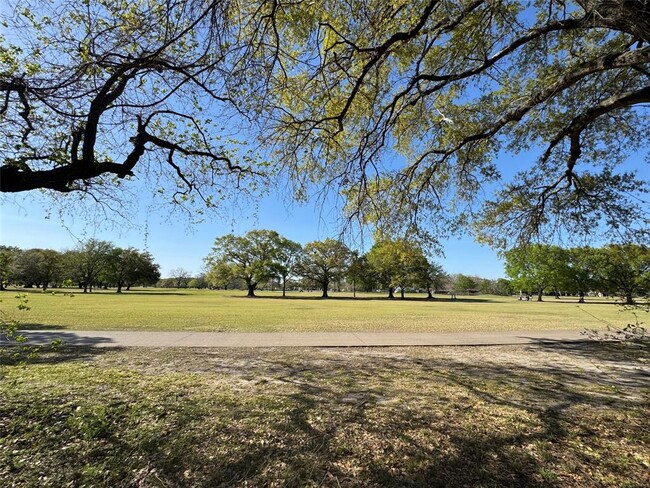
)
(231, 311)
(517, 416)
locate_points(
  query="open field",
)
(552, 415)
(231, 311)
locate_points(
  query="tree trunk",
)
(284, 286)
(391, 291)
(429, 294)
(539, 294)
(581, 294)
(45, 286)
(251, 289)
(401, 292)
(628, 298)
(119, 287)
(325, 295)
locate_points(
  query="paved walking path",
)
(297, 339)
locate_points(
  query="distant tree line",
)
(614, 269)
(264, 258)
(93, 263)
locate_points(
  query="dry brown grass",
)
(544, 415)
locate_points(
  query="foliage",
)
(465, 284)
(92, 263)
(409, 110)
(635, 331)
(128, 267)
(38, 267)
(97, 92)
(7, 258)
(361, 273)
(324, 262)
(612, 269)
(180, 277)
(398, 263)
(502, 287)
(199, 282)
(14, 344)
(413, 111)
(88, 261)
(625, 269)
(429, 275)
(581, 268)
(220, 275)
(252, 258)
(286, 261)
(535, 268)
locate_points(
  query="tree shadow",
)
(363, 417)
(397, 299)
(574, 301)
(44, 336)
(628, 358)
(100, 291)
(152, 293)
(59, 355)
(470, 455)
(35, 326)
(467, 455)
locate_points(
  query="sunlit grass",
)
(194, 310)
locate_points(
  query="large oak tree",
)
(515, 117)
(253, 257)
(96, 93)
(324, 262)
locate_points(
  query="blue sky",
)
(176, 244)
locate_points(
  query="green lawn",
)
(571, 416)
(193, 310)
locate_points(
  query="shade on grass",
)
(553, 415)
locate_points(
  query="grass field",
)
(548, 415)
(509, 416)
(194, 310)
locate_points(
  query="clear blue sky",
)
(176, 244)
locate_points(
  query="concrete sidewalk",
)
(297, 339)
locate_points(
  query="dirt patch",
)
(605, 365)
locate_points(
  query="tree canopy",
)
(398, 264)
(125, 267)
(510, 117)
(514, 116)
(624, 269)
(324, 262)
(614, 269)
(252, 258)
(536, 268)
(95, 93)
